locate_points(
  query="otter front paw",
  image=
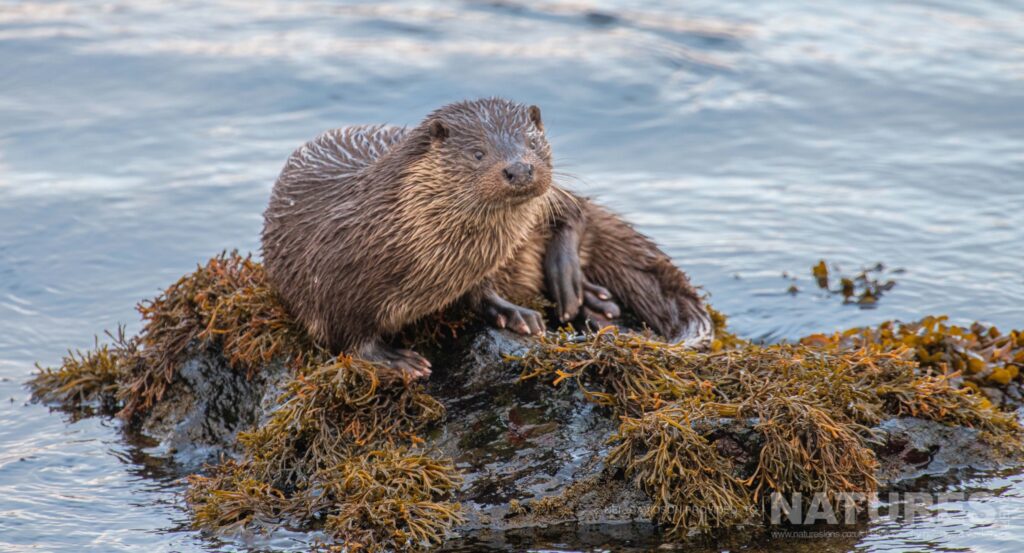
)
(505, 314)
(407, 361)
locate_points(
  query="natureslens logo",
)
(849, 509)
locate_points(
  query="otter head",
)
(491, 153)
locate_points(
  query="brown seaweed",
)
(813, 408)
(342, 449)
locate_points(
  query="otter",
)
(371, 228)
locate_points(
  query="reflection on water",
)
(138, 138)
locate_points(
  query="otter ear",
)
(535, 117)
(438, 132)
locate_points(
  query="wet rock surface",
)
(532, 454)
(209, 405)
(914, 450)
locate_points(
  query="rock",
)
(994, 395)
(532, 454)
(527, 442)
(207, 408)
(912, 449)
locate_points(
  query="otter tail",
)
(643, 279)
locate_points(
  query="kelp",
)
(812, 409)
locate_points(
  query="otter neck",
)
(439, 211)
(456, 240)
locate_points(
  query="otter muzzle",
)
(519, 173)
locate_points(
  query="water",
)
(137, 139)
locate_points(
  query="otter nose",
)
(519, 173)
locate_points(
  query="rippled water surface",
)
(750, 139)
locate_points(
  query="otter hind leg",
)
(643, 279)
(566, 284)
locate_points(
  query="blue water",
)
(750, 139)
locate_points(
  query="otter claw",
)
(594, 302)
(599, 291)
(596, 320)
(505, 314)
(407, 361)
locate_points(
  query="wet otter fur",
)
(370, 228)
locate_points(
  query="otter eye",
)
(478, 154)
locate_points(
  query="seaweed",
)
(812, 408)
(225, 303)
(337, 449)
(335, 452)
(341, 450)
(807, 449)
(692, 485)
(558, 507)
(724, 338)
(327, 410)
(981, 356)
(87, 377)
(391, 500)
(387, 499)
(231, 499)
(863, 289)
